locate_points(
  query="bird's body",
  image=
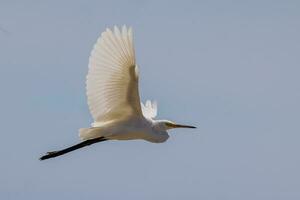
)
(132, 128)
(113, 96)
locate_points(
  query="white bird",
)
(113, 96)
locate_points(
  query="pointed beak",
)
(183, 126)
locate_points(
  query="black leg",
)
(53, 154)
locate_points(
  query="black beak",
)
(183, 126)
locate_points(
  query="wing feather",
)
(149, 109)
(112, 80)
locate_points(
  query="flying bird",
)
(113, 96)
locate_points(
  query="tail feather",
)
(89, 133)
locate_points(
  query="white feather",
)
(149, 109)
(112, 80)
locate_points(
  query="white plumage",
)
(149, 109)
(113, 96)
(112, 80)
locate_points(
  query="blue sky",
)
(230, 68)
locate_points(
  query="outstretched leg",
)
(53, 154)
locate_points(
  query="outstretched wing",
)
(112, 80)
(149, 109)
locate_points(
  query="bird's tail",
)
(53, 154)
(89, 133)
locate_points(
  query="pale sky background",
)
(229, 67)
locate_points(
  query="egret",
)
(113, 96)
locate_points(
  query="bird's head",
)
(166, 125)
